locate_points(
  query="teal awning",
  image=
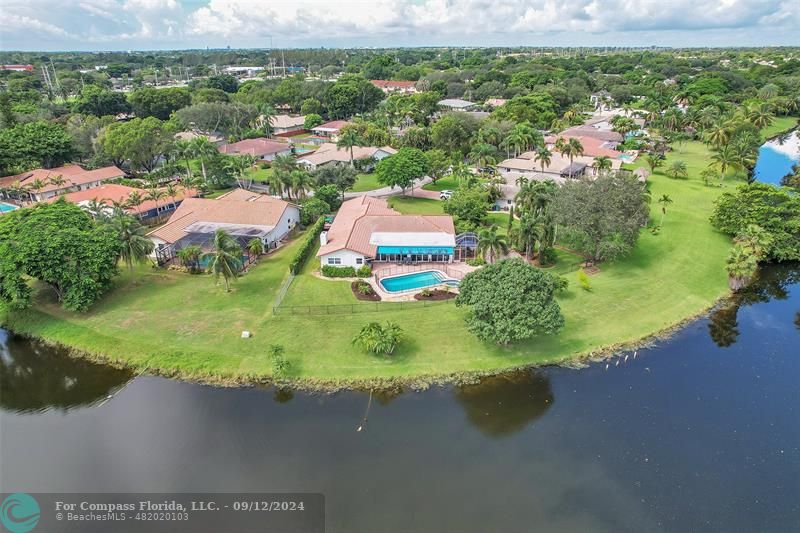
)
(409, 250)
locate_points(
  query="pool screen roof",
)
(237, 230)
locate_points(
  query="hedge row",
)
(331, 271)
(302, 254)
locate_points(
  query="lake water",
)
(699, 433)
(776, 157)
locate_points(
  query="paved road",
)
(396, 191)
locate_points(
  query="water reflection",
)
(36, 378)
(772, 283)
(501, 405)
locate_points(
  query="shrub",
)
(547, 256)
(427, 293)
(280, 366)
(562, 284)
(583, 279)
(364, 271)
(330, 271)
(313, 208)
(476, 262)
(380, 340)
(302, 254)
(364, 288)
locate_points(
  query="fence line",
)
(282, 292)
(352, 309)
(407, 269)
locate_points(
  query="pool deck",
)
(381, 270)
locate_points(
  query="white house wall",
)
(288, 220)
(348, 258)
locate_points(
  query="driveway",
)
(384, 192)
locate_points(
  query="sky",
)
(50, 25)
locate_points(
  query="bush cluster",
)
(364, 271)
(302, 254)
(330, 271)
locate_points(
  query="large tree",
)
(34, 144)
(94, 100)
(343, 177)
(59, 244)
(159, 103)
(141, 142)
(402, 168)
(452, 132)
(469, 205)
(602, 218)
(351, 95)
(510, 301)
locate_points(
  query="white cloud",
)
(176, 23)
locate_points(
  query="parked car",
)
(445, 195)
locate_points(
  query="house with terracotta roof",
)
(287, 124)
(243, 214)
(395, 86)
(261, 148)
(330, 130)
(367, 230)
(329, 153)
(44, 183)
(109, 193)
(592, 147)
(560, 166)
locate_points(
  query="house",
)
(284, 125)
(592, 147)
(456, 104)
(331, 129)
(392, 86)
(243, 214)
(54, 181)
(190, 135)
(593, 131)
(108, 193)
(261, 148)
(17, 68)
(367, 230)
(329, 153)
(496, 102)
(560, 166)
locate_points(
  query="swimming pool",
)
(6, 208)
(416, 280)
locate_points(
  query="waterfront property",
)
(329, 153)
(367, 230)
(44, 183)
(109, 193)
(559, 166)
(243, 214)
(261, 148)
(416, 280)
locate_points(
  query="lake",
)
(697, 433)
(776, 157)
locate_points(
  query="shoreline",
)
(416, 383)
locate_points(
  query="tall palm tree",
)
(723, 158)
(136, 246)
(602, 163)
(155, 195)
(491, 244)
(570, 149)
(531, 231)
(483, 155)
(57, 181)
(255, 246)
(348, 139)
(760, 115)
(96, 208)
(172, 191)
(184, 150)
(665, 200)
(36, 186)
(226, 258)
(301, 182)
(204, 150)
(544, 157)
(135, 200)
(239, 166)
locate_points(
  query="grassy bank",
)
(186, 325)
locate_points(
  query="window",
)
(334, 260)
(359, 260)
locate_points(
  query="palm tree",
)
(571, 149)
(677, 170)
(724, 158)
(172, 192)
(36, 186)
(136, 246)
(203, 149)
(96, 208)
(531, 231)
(348, 139)
(57, 181)
(226, 259)
(255, 247)
(190, 256)
(239, 166)
(760, 115)
(380, 340)
(602, 163)
(544, 157)
(483, 155)
(135, 200)
(491, 244)
(665, 200)
(301, 181)
(718, 135)
(155, 195)
(183, 150)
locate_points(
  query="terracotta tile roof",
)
(255, 147)
(589, 131)
(334, 125)
(264, 212)
(287, 121)
(328, 152)
(592, 146)
(72, 174)
(108, 193)
(362, 216)
(525, 162)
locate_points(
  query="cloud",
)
(188, 23)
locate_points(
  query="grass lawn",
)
(442, 184)
(261, 175)
(186, 324)
(366, 182)
(416, 206)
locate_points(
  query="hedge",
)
(302, 254)
(330, 271)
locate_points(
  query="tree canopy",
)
(60, 245)
(159, 103)
(139, 141)
(34, 144)
(402, 168)
(510, 301)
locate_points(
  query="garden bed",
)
(435, 295)
(374, 297)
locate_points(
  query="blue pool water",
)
(5, 208)
(775, 160)
(416, 280)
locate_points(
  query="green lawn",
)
(442, 184)
(261, 174)
(182, 323)
(416, 206)
(366, 182)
